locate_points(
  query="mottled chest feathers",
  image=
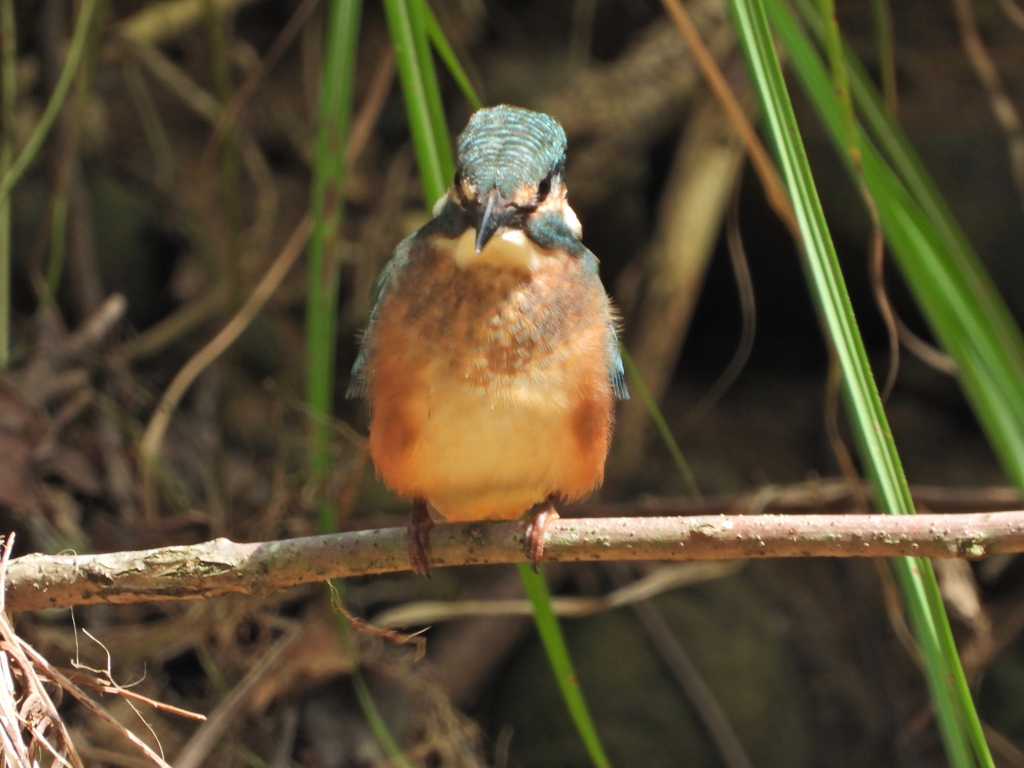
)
(493, 314)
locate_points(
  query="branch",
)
(222, 567)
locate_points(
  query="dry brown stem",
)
(1003, 108)
(774, 189)
(222, 567)
(166, 20)
(149, 447)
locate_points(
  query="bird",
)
(491, 362)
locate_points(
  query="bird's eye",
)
(543, 188)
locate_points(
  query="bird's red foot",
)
(542, 518)
(417, 538)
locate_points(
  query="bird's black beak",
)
(495, 214)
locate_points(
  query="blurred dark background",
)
(801, 663)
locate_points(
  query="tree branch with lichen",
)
(222, 567)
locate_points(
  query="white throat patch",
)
(507, 248)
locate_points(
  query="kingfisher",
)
(491, 362)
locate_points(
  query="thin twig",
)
(222, 567)
(663, 579)
(775, 190)
(833, 384)
(174, 326)
(748, 313)
(1003, 109)
(876, 271)
(215, 299)
(104, 686)
(233, 108)
(198, 748)
(43, 715)
(702, 178)
(373, 103)
(166, 20)
(64, 682)
(1013, 12)
(60, 92)
(672, 652)
(152, 124)
(153, 437)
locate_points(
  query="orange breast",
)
(489, 388)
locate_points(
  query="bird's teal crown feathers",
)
(506, 147)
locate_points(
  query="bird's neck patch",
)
(508, 248)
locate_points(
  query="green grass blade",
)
(60, 92)
(886, 52)
(955, 713)
(840, 80)
(421, 124)
(909, 169)
(554, 644)
(957, 296)
(376, 720)
(325, 254)
(451, 61)
(327, 208)
(639, 387)
(8, 96)
(336, 594)
(435, 105)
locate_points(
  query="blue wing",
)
(616, 374)
(357, 385)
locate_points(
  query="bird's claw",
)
(535, 530)
(417, 538)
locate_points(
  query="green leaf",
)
(451, 61)
(959, 299)
(957, 718)
(327, 209)
(639, 386)
(422, 98)
(561, 664)
(60, 92)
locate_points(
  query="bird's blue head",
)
(511, 164)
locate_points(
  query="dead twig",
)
(1013, 12)
(774, 189)
(1003, 109)
(26, 707)
(166, 20)
(826, 495)
(663, 579)
(105, 686)
(696, 197)
(222, 567)
(153, 437)
(615, 112)
(65, 682)
(703, 699)
(205, 739)
(230, 113)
